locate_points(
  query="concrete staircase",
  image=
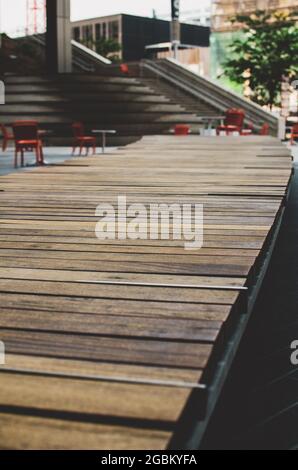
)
(101, 101)
(151, 100)
(198, 94)
(176, 95)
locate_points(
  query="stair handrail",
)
(216, 85)
(218, 100)
(81, 49)
(90, 53)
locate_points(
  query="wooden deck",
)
(109, 345)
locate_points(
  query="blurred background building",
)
(141, 37)
(224, 10)
(224, 31)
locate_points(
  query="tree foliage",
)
(266, 54)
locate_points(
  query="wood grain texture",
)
(106, 340)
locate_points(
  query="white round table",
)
(104, 133)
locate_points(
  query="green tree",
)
(265, 55)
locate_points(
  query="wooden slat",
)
(111, 349)
(35, 433)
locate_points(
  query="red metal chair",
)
(233, 122)
(182, 129)
(27, 138)
(124, 69)
(81, 140)
(6, 137)
(265, 129)
(294, 133)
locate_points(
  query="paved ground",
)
(52, 155)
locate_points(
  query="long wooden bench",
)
(126, 344)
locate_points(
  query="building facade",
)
(94, 29)
(134, 33)
(224, 10)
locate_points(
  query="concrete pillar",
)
(58, 49)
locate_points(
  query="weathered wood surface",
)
(106, 340)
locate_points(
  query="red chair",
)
(233, 122)
(6, 137)
(81, 140)
(294, 133)
(27, 138)
(182, 129)
(124, 69)
(265, 129)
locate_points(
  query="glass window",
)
(98, 31)
(76, 33)
(114, 30)
(104, 30)
(87, 34)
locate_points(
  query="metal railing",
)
(83, 58)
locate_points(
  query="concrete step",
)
(85, 97)
(99, 117)
(61, 108)
(78, 88)
(65, 79)
(176, 95)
